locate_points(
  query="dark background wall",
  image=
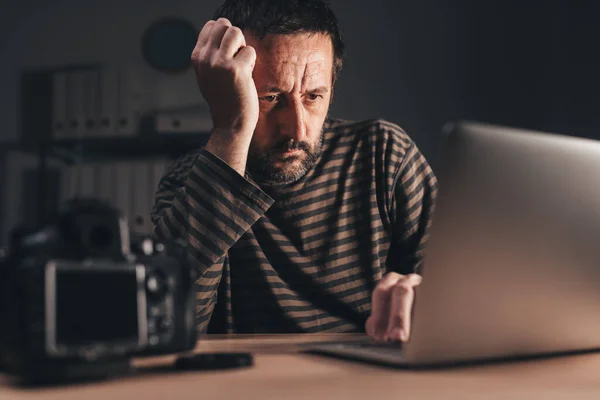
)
(531, 64)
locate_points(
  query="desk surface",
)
(280, 372)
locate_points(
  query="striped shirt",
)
(303, 256)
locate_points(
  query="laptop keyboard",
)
(378, 347)
(387, 353)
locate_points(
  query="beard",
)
(290, 168)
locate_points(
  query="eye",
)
(269, 99)
(313, 96)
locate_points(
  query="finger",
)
(217, 32)
(414, 279)
(204, 34)
(401, 295)
(401, 302)
(224, 21)
(379, 304)
(373, 325)
(247, 56)
(232, 41)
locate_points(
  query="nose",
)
(292, 124)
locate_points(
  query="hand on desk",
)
(391, 307)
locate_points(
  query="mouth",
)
(288, 153)
(291, 152)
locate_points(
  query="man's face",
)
(293, 77)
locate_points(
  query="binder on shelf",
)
(59, 105)
(122, 188)
(91, 99)
(130, 100)
(141, 202)
(124, 96)
(70, 93)
(76, 103)
(189, 119)
(109, 102)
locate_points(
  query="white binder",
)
(77, 92)
(127, 117)
(189, 119)
(91, 100)
(59, 105)
(122, 188)
(108, 99)
(141, 201)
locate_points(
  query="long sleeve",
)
(414, 199)
(207, 205)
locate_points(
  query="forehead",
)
(281, 59)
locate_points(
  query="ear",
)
(332, 93)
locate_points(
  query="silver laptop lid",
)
(513, 263)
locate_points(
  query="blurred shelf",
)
(94, 149)
(170, 145)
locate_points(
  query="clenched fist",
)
(223, 64)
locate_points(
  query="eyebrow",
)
(319, 90)
(275, 89)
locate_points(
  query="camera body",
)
(78, 300)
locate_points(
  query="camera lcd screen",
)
(96, 306)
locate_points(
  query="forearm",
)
(208, 211)
(206, 294)
(231, 147)
(415, 196)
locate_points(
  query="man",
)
(297, 222)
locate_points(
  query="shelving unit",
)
(38, 140)
(170, 145)
(85, 150)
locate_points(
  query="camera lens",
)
(99, 238)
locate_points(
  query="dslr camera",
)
(79, 299)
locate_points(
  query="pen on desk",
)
(214, 361)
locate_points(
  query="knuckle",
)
(216, 65)
(199, 55)
(379, 290)
(393, 275)
(212, 62)
(402, 290)
(223, 21)
(208, 23)
(235, 30)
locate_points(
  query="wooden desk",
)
(281, 373)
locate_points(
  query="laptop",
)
(512, 268)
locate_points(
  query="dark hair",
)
(263, 17)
